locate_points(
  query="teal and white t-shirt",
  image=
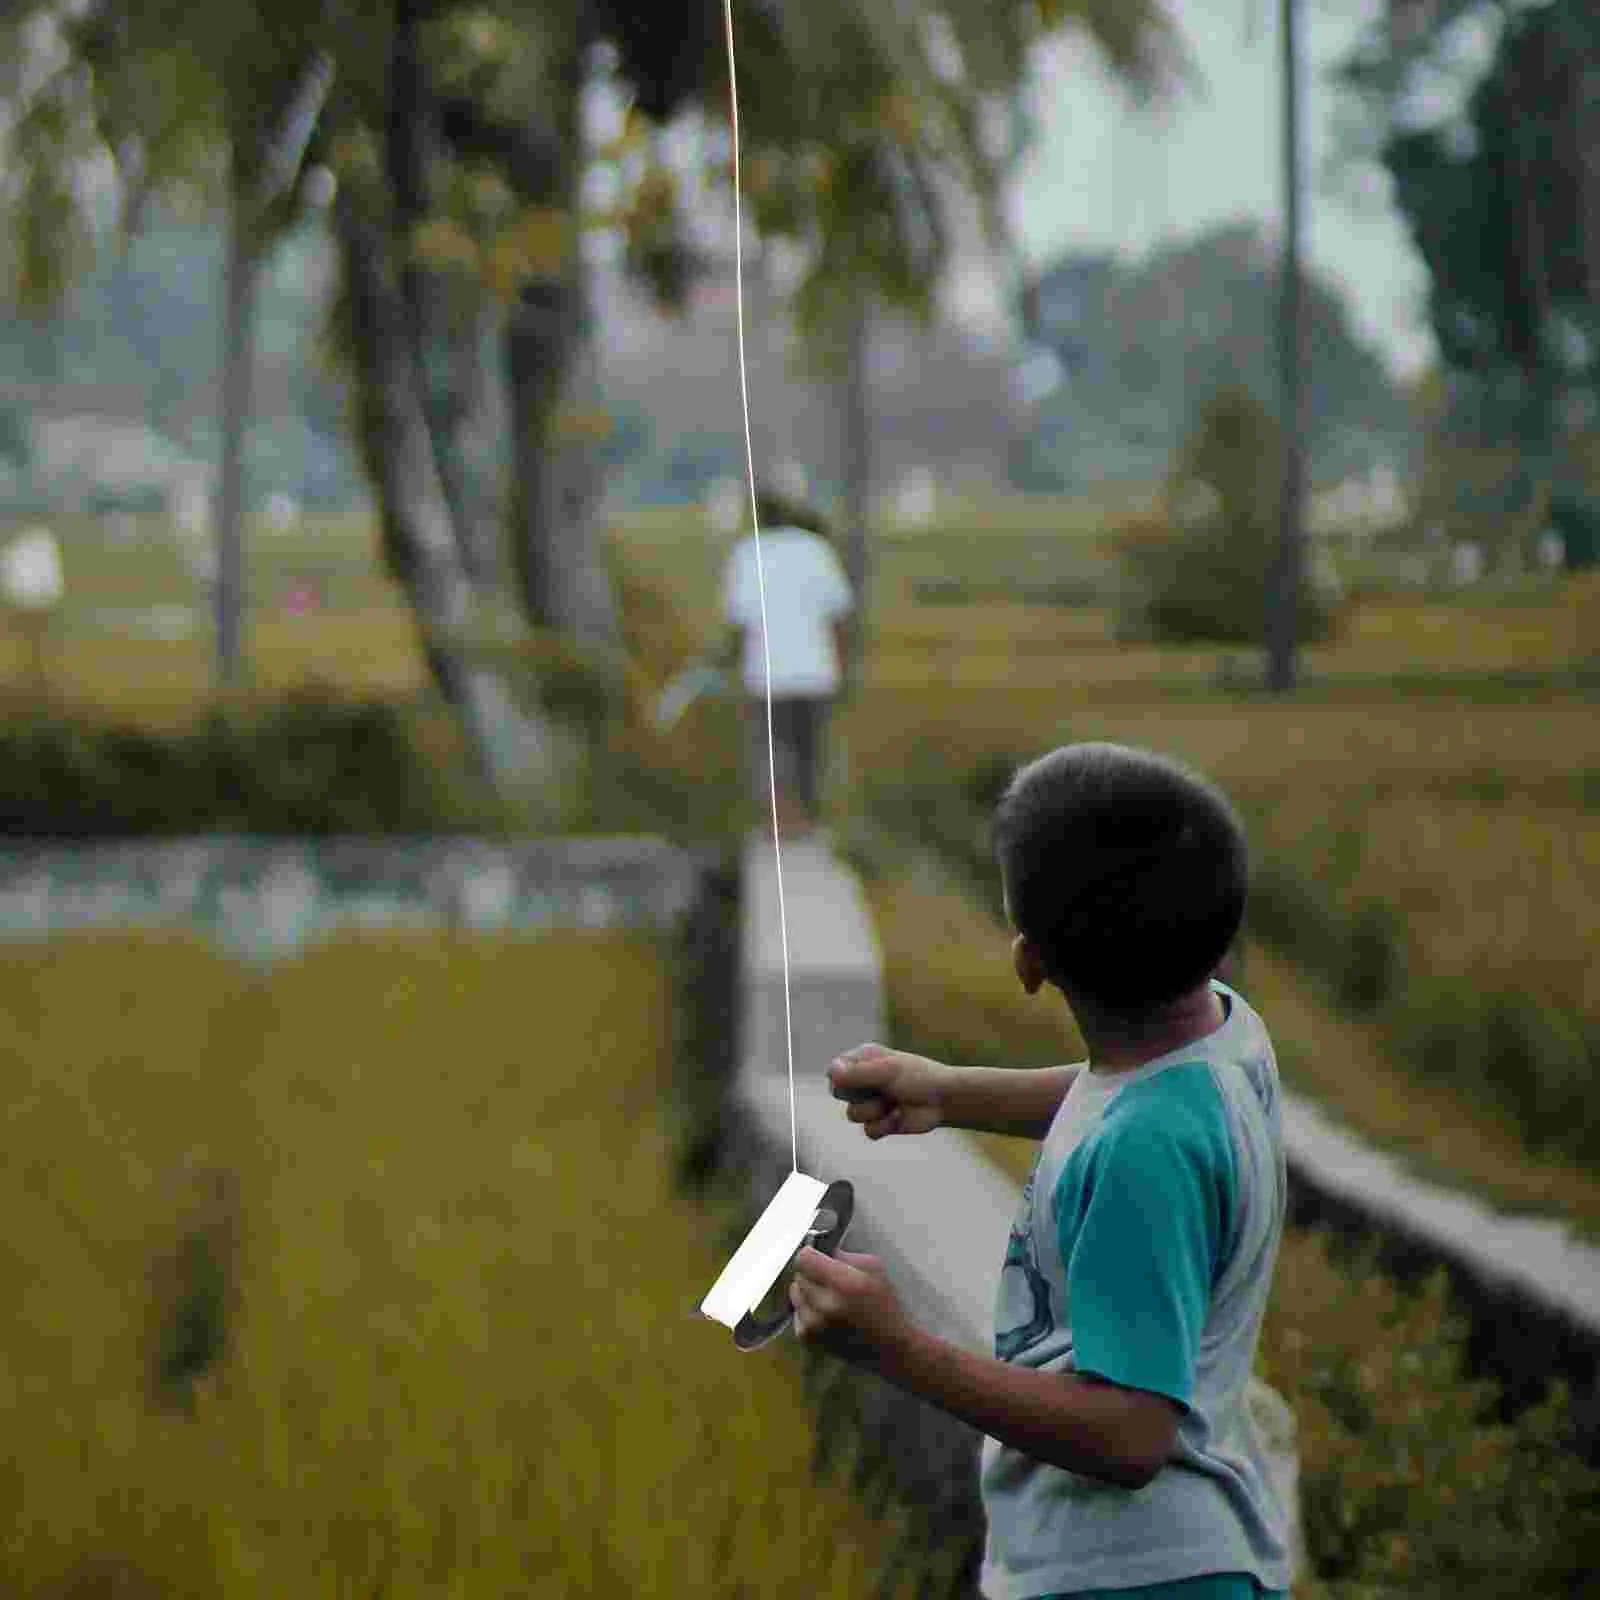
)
(1143, 1253)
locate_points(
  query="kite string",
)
(761, 580)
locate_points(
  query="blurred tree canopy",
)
(1146, 344)
(1486, 116)
(454, 145)
(1499, 192)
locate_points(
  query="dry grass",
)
(1317, 746)
(949, 983)
(1509, 894)
(164, 682)
(1430, 1126)
(460, 1358)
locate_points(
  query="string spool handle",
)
(826, 1233)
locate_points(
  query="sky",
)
(1105, 174)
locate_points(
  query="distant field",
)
(322, 607)
(299, 1295)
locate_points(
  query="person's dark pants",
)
(798, 727)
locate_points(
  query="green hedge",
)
(310, 764)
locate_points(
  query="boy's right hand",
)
(889, 1091)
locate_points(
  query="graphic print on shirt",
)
(1024, 1295)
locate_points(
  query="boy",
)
(1120, 1458)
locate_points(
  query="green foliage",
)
(1360, 953)
(195, 1336)
(1411, 1484)
(1498, 214)
(1204, 580)
(1528, 1058)
(1140, 375)
(16, 447)
(310, 764)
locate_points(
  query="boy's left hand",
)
(846, 1304)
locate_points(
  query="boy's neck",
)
(1119, 1044)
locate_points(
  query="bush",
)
(1528, 1060)
(1203, 578)
(310, 764)
(1410, 1481)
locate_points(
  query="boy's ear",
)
(1029, 968)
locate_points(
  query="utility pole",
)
(1283, 589)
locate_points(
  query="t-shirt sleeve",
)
(740, 604)
(1142, 1252)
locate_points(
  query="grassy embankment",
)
(305, 1294)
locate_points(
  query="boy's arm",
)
(1074, 1421)
(893, 1091)
(1017, 1101)
(1078, 1423)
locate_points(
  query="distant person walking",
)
(808, 600)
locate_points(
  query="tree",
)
(1495, 178)
(1147, 343)
(454, 134)
(1201, 576)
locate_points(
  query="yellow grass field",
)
(1506, 891)
(947, 976)
(433, 1175)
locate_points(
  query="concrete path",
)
(934, 1204)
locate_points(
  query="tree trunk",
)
(558, 552)
(446, 338)
(564, 578)
(563, 582)
(229, 600)
(515, 751)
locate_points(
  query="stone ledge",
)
(1536, 1258)
(264, 898)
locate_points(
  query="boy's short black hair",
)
(1126, 871)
